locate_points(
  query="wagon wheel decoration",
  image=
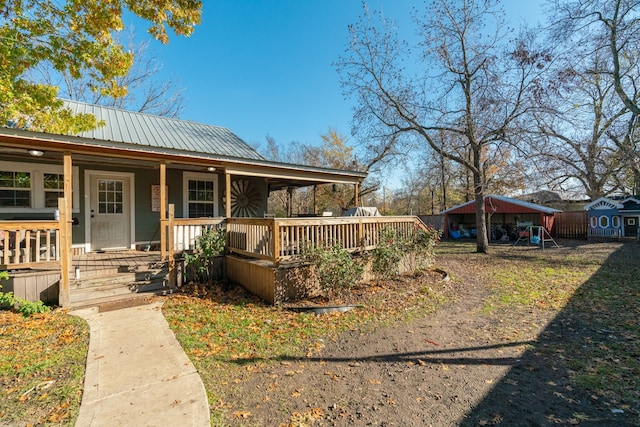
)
(246, 199)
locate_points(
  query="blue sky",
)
(264, 67)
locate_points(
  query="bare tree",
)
(577, 130)
(610, 29)
(146, 93)
(473, 89)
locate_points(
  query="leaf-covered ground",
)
(42, 364)
(533, 338)
(517, 337)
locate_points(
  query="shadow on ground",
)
(583, 368)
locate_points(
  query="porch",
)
(95, 279)
(259, 251)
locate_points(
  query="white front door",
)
(110, 211)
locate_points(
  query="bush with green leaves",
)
(388, 253)
(336, 269)
(392, 248)
(423, 247)
(200, 263)
(8, 301)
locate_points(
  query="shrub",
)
(200, 262)
(335, 268)
(423, 246)
(8, 301)
(388, 254)
(392, 247)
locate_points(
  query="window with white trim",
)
(615, 222)
(15, 189)
(593, 222)
(603, 221)
(34, 187)
(200, 195)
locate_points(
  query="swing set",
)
(535, 235)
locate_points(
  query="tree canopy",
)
(74, 38)
(467, 101)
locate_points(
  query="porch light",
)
(211, 169)
(36, 153)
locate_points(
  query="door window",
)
(110, 196)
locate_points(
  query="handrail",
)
(27, 243)
(185, 232)
(278, 239)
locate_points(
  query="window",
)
(110, 196)
(200, 195)
(603, 221)
(200, 198)
(15, 189)
(34, 187)
(53, 189)
(615, 222)
(593, 221)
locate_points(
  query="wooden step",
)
(118, 301)
(101, 280)
(112, 287)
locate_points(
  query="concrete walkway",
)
(137, 373)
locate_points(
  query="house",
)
(505, 215)
(142, 183)
(609, 218)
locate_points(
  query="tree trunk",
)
(482, 245)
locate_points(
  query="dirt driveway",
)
(459, 366)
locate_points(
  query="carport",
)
(504, 215)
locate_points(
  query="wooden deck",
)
(41, 268)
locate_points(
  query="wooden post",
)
(65, 255)
(68, 196)
(172, 258)
(227, 192)
(289, 202)
(356, 189)
(275, 233)
(65, 207)
(163, 213)
(361, 241)
(315, 200)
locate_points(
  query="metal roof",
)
(516, 202)
(161, 132)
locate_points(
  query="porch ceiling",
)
(17, 142)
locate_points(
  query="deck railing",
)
(25, 244)
(187, 230)
(279, 239)
(609, 233)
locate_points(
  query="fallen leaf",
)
(242, 414)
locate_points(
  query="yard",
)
(521, 336)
